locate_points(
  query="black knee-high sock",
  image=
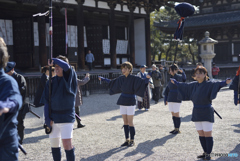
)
(56, 153)
(132, 132)
(70, 155)
(126, 131)
(174, 121)
(203, 143)
(209, 144)
(178, 122)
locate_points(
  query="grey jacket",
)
(90, 58)
(163, 77)
(78, 101)
(156, 77)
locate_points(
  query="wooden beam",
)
(113, 41)
(131, 7)
(42, 36)
(80, 27)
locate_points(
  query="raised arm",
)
(64, 65)
(183, 75)
(83, 81)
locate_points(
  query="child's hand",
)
(4, 110)
(87, 75)
(172, 81)
(99, 78)
(180, 70)
(148, 76)
(50, 64)
(228, 81)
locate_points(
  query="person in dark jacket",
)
(62, 116)
(201, 92)
(129, 86)
(10, 103)
(235, 86)
(171, 99)
(41, 85)
(161, 70)
(156, 77)
(22, 85)
(79, 101)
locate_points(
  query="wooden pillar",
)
(131, 7)
(230, 34)
(113, 41)
(42, 36)
(80, 28)
(147, 37)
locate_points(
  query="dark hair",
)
(173, 67)
(45, 68)
(127, 65)
(201, 69)
(64, 58)
(3, 54)
(199, 63)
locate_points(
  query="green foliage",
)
(162, 45)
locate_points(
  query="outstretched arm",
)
(84, 81)
(104, 79)
(226, 82)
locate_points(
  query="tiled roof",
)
(204, 20)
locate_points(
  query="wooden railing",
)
(94, 86)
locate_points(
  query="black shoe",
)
(156, 102)
(131, 143)
(201, 156)
(172, 131)
(80, 126)
(207, 157)
(126, 143)
(176, 131)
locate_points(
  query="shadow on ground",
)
(104, 156)
(141, 148)
(235, 156)
(30, 130)
(186, 118)
(34, 139)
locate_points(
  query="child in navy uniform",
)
(64, 89)
(235, 86)
(170, 98)
(129, 86)
(10, 102)
(201, 93)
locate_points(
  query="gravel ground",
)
(102, 136)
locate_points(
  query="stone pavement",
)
(101, 138)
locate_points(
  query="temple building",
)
(114, 30)
(221, 18)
